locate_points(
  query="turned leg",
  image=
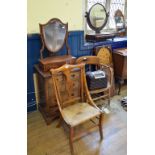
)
(120, 83)
(119, 88)
(71, 140)
(100, 126)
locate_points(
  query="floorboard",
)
(49, 140)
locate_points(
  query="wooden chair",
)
(74, 101)
(103, 93)
(104, 53)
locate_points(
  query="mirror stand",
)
(97, 18)
(54, 36)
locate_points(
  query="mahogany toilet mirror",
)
(54, 35)
(120, 22)
(97, 17)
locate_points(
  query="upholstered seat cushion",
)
(78, 113)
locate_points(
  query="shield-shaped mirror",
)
(53, 34)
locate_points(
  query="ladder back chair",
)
(104, 53)
(102, 93)
(74, 101)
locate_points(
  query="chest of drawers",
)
(47, 103)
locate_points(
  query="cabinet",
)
(47, 104)
(120, 65)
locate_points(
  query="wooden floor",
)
(49, 140)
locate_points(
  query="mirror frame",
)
(41, 26)
(96, 29)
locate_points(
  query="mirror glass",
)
(54, 35)
(119, 21)
(97, 15)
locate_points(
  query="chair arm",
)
(91, 102)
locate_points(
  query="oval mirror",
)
(97, 17)
(54, 34)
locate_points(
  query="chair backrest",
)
(90, 61)
(69, 84)
(104, 53)
(98, 65)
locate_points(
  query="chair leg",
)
(71, 140)
(120, 83)
(109, 101)
(109, 98)
(100, 126)
(119, 88)
(59, 123)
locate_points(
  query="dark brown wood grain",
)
(120, 65)
(56, 61)
(100, 37)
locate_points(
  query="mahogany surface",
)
(56, 61)
(99, 37)
(120, 65)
